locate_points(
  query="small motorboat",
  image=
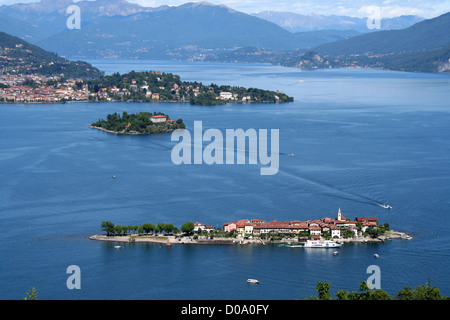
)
(386, 206)
(169, 244)
(335, 253)
(252, 281)
(117, 247)
(405, 237)
(376, 256)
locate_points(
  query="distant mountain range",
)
(117, 28)
(295, 22)
(424, 47)
(426, 35)
(206, 32)
(179, 32)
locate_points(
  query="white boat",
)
(386, 206)
(335, 253)
(321, 244)
(376, 256)
(252, 281)
(117, 247)
(405, 237)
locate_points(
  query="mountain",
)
(426, 35)
(207, 32)
(301, 23)
(18, 56)
(117, 28)
(40, 20)
(47, 16)
(180, 32)
(423, 47)
(21, 29)
(430, 61)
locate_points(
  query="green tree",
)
(422, 292)
(323, 288)
(168, 228)
(160, 227)
(148, 227)
(31, 294)
(187, 227)
(108, 227)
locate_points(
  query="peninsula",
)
(149, 86)
(136, 124)
(256, 231)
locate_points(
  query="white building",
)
(248, 228)
(335, 232)
(226, 95)
(158, 119)
(199, 227)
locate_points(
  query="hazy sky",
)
(359, 8)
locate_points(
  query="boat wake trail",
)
(334, 191)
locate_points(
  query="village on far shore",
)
(247, 231)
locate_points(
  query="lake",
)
(360, 138)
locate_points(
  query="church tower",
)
(339, 217)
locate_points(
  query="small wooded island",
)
(140, 123)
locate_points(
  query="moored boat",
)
(321, 244)
(252, 281)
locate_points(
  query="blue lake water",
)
(360, 137)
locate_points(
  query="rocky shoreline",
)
(169, 240)
(133, 133)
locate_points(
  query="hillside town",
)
(41, 89)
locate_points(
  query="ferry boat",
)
(321, 244)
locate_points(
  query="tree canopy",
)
(422, 292)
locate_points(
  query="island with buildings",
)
(256, 231)
(137, 124)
